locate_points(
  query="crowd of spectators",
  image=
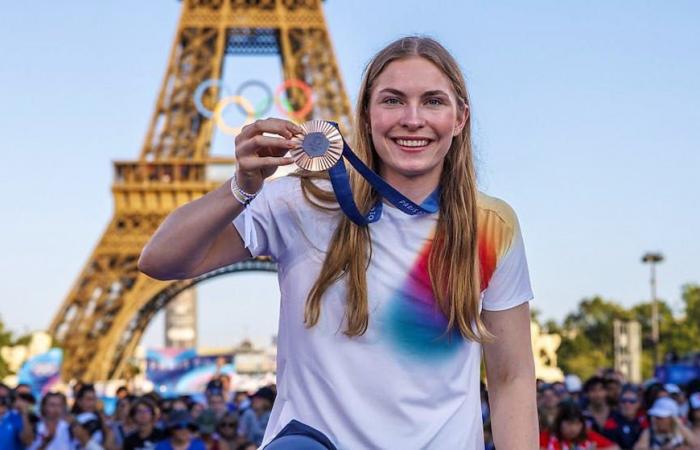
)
(223, 420)
(608, 413)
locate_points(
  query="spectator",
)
(694, 416)
(228, 430)
(666, 430)
(570, 432)
(86, 429)
(122, 392)
(217, 404)
(573, 387)
(181, 436)
(121, 424)
(598, 410)
(624, 426)
(53, 431)
(242, 401)
(15, 427)
(206, 423)
(547, 406)
(254, 420)
(143, 414)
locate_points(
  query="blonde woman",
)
(381, 325)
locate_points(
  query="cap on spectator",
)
(664, 407)
(573, 383)
(694, 400)
(265, 393)
(89, 421)
(672, 388)
(207, 422)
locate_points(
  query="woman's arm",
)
(510, 374)
(198, 237)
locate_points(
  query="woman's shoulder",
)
(493, 207)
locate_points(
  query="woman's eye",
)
(435, 101)
(391, 101)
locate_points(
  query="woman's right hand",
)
(259, 156)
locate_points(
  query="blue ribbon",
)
(341, 186)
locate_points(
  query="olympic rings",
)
(266, 104)
(199, 93)
(305, 88)
(246, 107)
(223, 103)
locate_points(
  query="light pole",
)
(652, 259)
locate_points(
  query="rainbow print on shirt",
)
(414, 324)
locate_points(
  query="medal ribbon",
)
(341, 186)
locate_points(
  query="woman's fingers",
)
(284, 128)
(263, 146)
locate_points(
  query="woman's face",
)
(88, 402)
(663, 424)
(413, 117)
(570, 429)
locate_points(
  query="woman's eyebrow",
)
(425, 94)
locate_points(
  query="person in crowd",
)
(53, 430)
(87, 431)
(613, 389)
(625, 424)
(197, 408)
(227, 428)
(573, 387)
(677, 394)
(247, 446)
(653, 390)
(121, 424)
(217, 404)
(694, 416)
(547, 406)
(597, 410)
(122, 392)
(666, 431)
(570, 432)
(15, 426)
(181, 433)
(86, 401)
(254, 420)
(206, 423)
(143, 413)
(242, 401)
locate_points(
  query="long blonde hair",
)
(453, 262)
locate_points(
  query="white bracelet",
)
(239, 194)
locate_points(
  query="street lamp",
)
(652, 259)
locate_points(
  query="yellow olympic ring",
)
(223, 103)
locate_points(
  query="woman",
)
(381, 325)
(53, 431)
(666, 431)
(569, 432)
(181, 433)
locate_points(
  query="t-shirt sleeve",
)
(258, 226)
(509, 285)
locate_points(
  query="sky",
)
(585, 119)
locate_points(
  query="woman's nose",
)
(412, 117)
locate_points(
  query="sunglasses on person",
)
(629, 400)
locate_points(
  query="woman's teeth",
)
(412, 142)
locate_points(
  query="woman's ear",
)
(462, 118)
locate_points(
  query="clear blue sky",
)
(586, 120)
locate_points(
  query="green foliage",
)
(587, 333)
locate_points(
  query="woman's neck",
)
(416, 188)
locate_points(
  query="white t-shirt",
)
(400, 385)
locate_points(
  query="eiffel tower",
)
(111, 303)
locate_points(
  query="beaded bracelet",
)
(239, 194)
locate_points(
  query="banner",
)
(42, 371)
(184, 372)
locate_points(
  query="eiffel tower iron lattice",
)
(111, 303)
